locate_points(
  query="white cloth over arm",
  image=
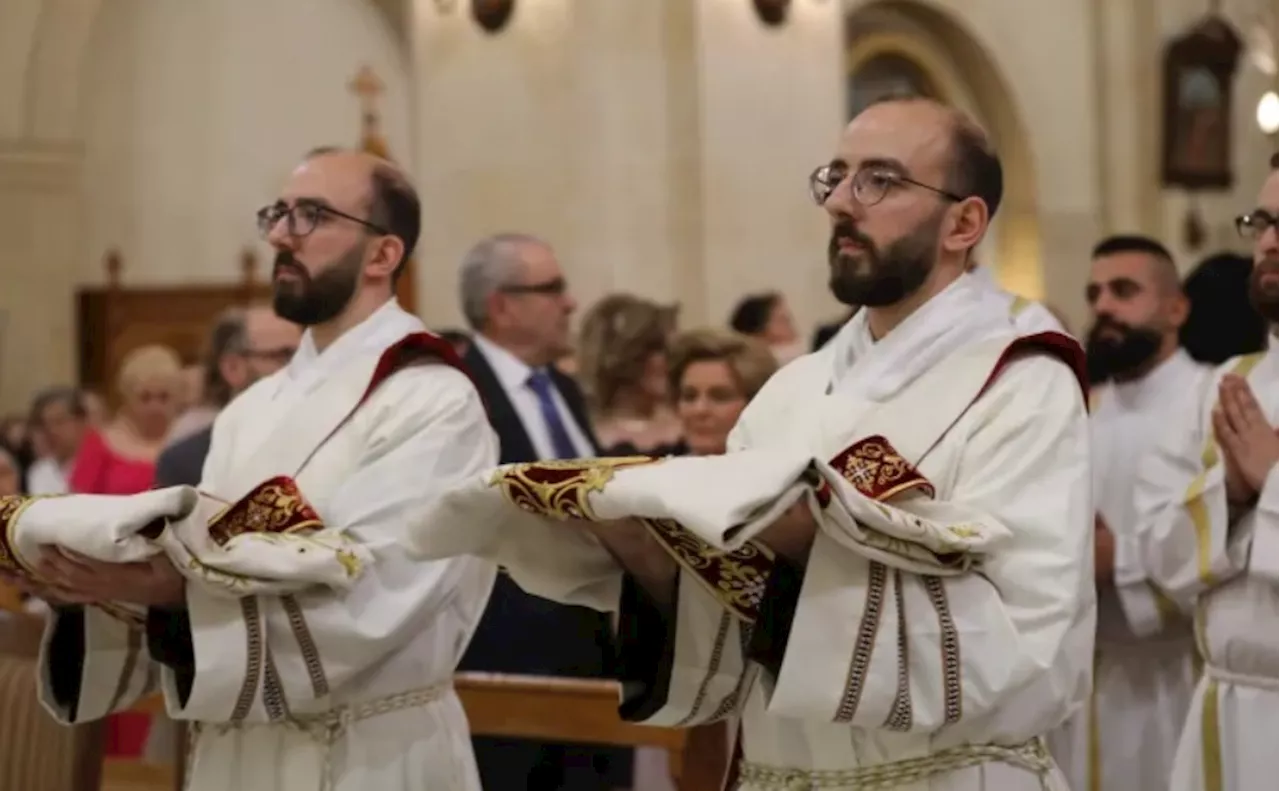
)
(265, 657)
(119, 670)
(429, 430)
(851, 640)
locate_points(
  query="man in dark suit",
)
(515, 297)
(245, 346)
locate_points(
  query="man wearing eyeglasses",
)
(368, 420)
(1207, 529)
(244, 346)
(516, 300)
(913, 606)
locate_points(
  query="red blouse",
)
(100, 470)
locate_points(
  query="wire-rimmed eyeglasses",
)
(303, 217)
(869, 184)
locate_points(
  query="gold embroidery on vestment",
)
(736, 579)
(560, 488)
(878, 471)
(275, 506)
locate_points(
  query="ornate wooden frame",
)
(1208, 51)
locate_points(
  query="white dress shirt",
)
(46, 476)
(513, 374)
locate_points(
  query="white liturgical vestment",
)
(319, 689)
(1220, 564)
(1124, 740)
(1028, 316)
(229, 550)
(944, 622)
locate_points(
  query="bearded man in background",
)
(1143, 384)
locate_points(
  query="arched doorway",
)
(900, 47)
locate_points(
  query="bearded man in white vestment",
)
(371, 418)
(1207, 536)
(1125, 739)
(855, 669)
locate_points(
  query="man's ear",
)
(1179, 308)
(233, 370)
(386, 257)
(969, 221)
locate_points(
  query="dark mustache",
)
(1106, 322)
(286, 262)
(845, 230)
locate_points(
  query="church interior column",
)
(636, 143)
(771, 106)
(39, 202)
(493, 152)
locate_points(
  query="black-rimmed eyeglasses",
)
(303, 217)
(869, 185)
(551, 288)
(1255, 223)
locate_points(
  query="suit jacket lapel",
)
(514, 440)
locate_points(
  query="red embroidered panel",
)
(737, 579)
(273, 506)
(412, 349)
(1054, 344)
(877, 470)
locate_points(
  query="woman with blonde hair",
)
(622, 367)
(713, 376)
(119, 457)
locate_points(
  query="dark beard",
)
(1122, 359)
(875, 278)
(1263, 297)
(308, 301)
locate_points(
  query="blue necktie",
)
(541, 385)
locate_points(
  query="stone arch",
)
(943, 49)
(55, 37)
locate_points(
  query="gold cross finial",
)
(367, 86)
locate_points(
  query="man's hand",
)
(1248, 441)
(638, 552)
(792, 535)
(79, 579)
(42, 591)
(1104, 551)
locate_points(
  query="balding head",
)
(391, 199)
(343, 228)
(973, 167)
(910, 193)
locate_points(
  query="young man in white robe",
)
(1125, 739)
(370, 419)
(1207, 536)
(924, 614)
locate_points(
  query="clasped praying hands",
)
(1247, 438)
